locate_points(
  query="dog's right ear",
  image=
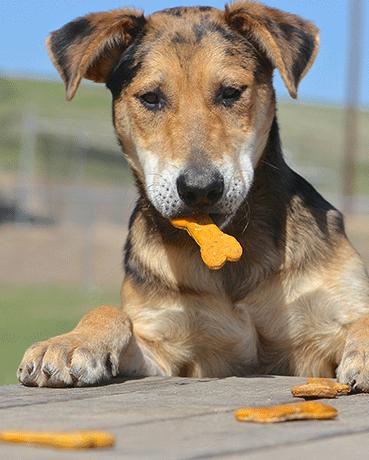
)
(90, 46)
(288, 41)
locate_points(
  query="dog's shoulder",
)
(306, 202)
(314, 226)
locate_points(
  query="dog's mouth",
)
(165, 198)
(221, 215)
(221, 220)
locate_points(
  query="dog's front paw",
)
(354, 368)
(70, 360)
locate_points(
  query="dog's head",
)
(193, 100)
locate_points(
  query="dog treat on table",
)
(216, 247)
(60, 440)
(285, 412)
(313, 390)
(341, 388)
(320, 388)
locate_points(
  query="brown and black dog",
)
(194, 111)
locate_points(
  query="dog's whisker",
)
(248, 216)
(173, 165)
(270, 164)
(155, 174)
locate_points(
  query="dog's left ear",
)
(90, 46)
(288, 41)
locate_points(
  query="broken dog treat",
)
(286, 412)
(320, 388)
(216, 247)
(61, 440)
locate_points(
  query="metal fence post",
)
(27, 162)
(355, 40)
(88, 216)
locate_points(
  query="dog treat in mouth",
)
(320, 388)
(216, 247)
(285, 412)
(60, 440)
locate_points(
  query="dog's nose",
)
(200, 187)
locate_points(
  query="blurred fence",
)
(63, 176)
(63, 182)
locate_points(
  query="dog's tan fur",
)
(298, 300)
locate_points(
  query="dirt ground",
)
(61, 254)
(91, 255)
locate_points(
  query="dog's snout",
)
(200, 187)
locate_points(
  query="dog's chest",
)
(225, 342)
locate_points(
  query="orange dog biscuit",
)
(320, 388)
(286, 412)
(216, 247)
(61, 440)
(341, 388)
(313, 390)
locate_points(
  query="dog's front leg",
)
(354, 366)
(90, 354)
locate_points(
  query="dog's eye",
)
(152, 100)
(228, 95)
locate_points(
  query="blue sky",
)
(26, 23)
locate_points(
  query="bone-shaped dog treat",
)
(320, 388)
(286, 412)
(216, 247)
(61, 440)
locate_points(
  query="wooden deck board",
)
(177, 418)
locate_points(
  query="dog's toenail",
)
(111, 365)
(30, 368)
(75, 372)
(48, 370)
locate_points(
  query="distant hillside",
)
(312, 135)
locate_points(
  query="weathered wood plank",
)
(173, 418)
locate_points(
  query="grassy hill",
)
(312, 135)
(31, 313)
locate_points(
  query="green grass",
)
(62, 126)
(48, 100)
(315, 135)
(33, 313)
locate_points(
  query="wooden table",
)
(178, 418)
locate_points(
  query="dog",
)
(194, 111)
